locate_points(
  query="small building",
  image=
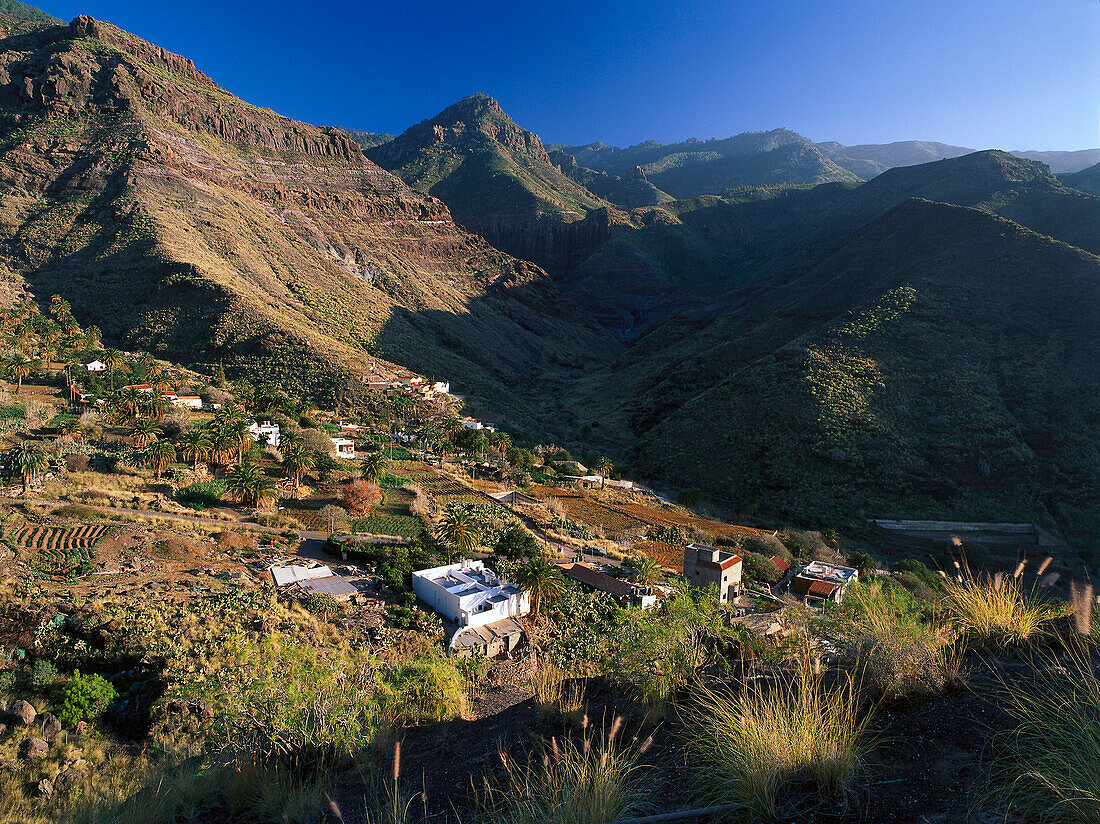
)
(96, 366)
(187, 402)
(345, 448)
(309, 578)
(489, 640)
(442, 387)
(469, 594)
(819, 581)
(781, 565)
(706, 565)
(137, 387)
(624, 592)
(266, 432)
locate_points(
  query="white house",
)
(96, 366)
(266, 432)
(442, 387)
(469, 594)
(345, 448)
(187, 401)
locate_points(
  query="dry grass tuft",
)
(778, 751)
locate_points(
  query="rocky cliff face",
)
(183, 220)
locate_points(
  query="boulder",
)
(68, 779)
(44, 788)
(34, 748)
(3, 730)
(48, 723)
(24, 713)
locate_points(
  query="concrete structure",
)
(345, 448)
(624, 592)
(187, 402)
(266, 432)
(823, 582)
(706, 565)
(291, 573)
(469, 594)
(96, 366)
(490, 640)
(890, 536)
(308, 578)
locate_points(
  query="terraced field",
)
(612, 522)
(60, 549)
(667, 555)
(669, 517)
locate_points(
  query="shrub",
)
(769, 546)
(1048, 767)
(43, 674)
(996, 609)
(591, 782)
(760, 568)
(427, 689)
(882, 631)
(323, 604)
(359, 496)
(85, 697)
(201, 495)
(778, 752)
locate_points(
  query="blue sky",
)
(978, 73)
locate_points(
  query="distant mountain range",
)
(748, 316)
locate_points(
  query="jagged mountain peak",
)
(474, 122)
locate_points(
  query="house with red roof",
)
(706, 565)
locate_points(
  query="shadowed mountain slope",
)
(1087, 180)
(914, 378)
(496, 178)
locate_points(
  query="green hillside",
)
(694, 167)
(889, 377)
(21, 11)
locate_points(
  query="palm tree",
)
(92, 336)
(221, 448)
(248, 484)
(459, 530)
(160, 454)
(291, 440)
(114, 361)
(130, 402)
(297, 460)
(29, 460)
(373, 466)
(145, 431)
(19, 366)
(543, 580)
(238, 433)
(643, 569)
(502, 442)
(151, 367)
(72, 426)
(193, 446)
(603, 469)
(158, 406)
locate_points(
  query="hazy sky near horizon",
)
(1010, 74)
